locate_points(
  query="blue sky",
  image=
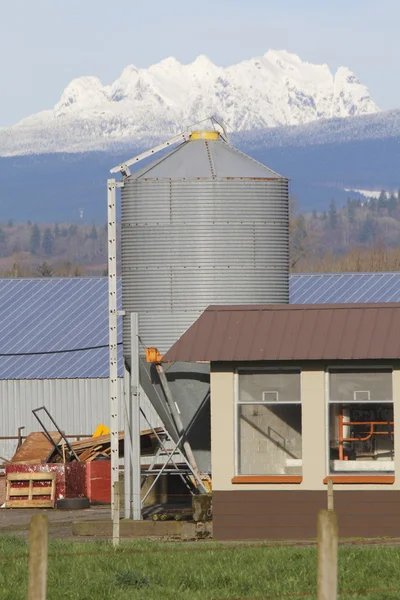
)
(45, 44)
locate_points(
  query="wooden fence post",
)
(38, 557)
(330, 494)
(327, 555)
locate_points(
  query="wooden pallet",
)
(20, 495)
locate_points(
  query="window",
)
(361, 423)
(269, 423)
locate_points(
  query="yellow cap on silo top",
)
(204, 135)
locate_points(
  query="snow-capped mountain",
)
(275, 89)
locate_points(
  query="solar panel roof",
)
(58, 327)
(54, 328)
(323, 288)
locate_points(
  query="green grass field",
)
(178, 571)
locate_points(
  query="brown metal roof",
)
(292, 332)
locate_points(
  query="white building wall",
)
(77, 406)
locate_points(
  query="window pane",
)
(360, 386)
(269, 439)
(361, 438)
(271, 386)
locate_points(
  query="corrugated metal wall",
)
(77, 405)
(189, 244)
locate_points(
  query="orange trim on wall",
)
(354, 479)
(267, 479)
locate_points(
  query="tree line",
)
(35, 249)
(364, 234)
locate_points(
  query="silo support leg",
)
(127, 445)
(135, 424)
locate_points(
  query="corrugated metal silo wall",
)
(187, 244)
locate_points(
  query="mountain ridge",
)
(143, 105)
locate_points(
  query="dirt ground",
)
(16, 521)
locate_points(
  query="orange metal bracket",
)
(153, 355)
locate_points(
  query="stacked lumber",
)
(98, 447)
(36, 448)
(89, 449)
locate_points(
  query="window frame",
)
(354, 478)
(239, 478)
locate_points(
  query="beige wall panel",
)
(314, 425)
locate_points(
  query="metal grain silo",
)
(203, 225)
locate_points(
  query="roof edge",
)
(292, 307)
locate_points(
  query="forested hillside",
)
(66, 249)
(362, 236)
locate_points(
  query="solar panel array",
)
(54, 328)
(325, 288)
(58, 328)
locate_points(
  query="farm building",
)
(301, 394)
(54, 345)
(54, 353)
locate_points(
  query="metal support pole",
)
(135, 408)
(113, 342)
(127, 446)
(117, 500)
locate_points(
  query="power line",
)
(68, 350)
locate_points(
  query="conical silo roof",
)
(206, 156)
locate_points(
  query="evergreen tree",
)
(314, 214)
(332, 215)
(324, 216)
(93, 233)
(392, 205)
(382, 200)
(45, 270)
(48, 241)
(367, 232)
(29, 222)
(10, 223)
(35, 239)
(3, 243)
(56, 231)
(351, 211)
(73, 229)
